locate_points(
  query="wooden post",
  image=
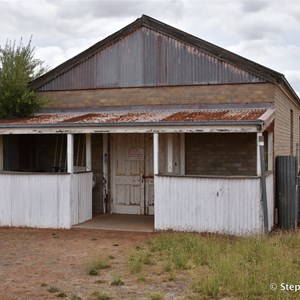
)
(105, 172)
(258, 162)
(70, 153)
(1, 153)
(270, 151)
(182, 153)
(156, 153)
(263, 182)
(170, 152)
(88, 152)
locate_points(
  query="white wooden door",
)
(132, 191)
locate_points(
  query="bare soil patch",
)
(32, 261)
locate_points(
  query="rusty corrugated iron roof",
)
(153, 116)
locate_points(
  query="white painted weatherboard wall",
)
(81, 197)
(44, 200)
(223, 205)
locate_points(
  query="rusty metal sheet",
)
(216, 115)
(147, 57)
(143, 117)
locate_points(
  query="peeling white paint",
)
(45, 200)
(221, 205)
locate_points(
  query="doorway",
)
(132, 180)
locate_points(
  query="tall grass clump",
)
(242, 267)
(138, 259)
(184, 250)
(95, 265)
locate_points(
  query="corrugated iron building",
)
(169, 124)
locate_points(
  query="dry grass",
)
(219, 266)
(154, 266)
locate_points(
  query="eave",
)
(201, 121)
(180, 127)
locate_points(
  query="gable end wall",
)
(147, 57)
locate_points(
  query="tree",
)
(17, 68)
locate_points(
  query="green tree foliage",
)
(17, 68)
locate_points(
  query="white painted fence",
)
(224, 205)
(45, 200)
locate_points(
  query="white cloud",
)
(293, 78)
(266, 31)
(50, 55)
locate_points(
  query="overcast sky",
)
(266, 31)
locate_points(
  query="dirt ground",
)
(34, 260)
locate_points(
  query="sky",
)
(265, 31)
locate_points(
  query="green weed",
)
(100, 296)
(62, 295)
(96, 265)
(52, 289)
(116, 280)
(156, 296)
(138, 260)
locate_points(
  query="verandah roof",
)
(184, 120)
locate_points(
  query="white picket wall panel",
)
(5, 202)
(44, 200)
(81, 198)
(223, 205)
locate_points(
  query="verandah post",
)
(156, 153)
(105, 172)
(261, 172)
(1, 153)
(88, 152)
(70, 153)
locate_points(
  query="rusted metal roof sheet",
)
(154, 116)
(217, 115)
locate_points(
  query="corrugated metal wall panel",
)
(45, 200)
(35, 200)
(286, 195)
(82, 191)
(149, 58)
(116, 66)
(5, 201)
(208, 204)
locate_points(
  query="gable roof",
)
(259, 72)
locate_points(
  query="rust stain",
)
(216, 115)
(27, 120)
(129, 117)
(142, 116)
(81, 118)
